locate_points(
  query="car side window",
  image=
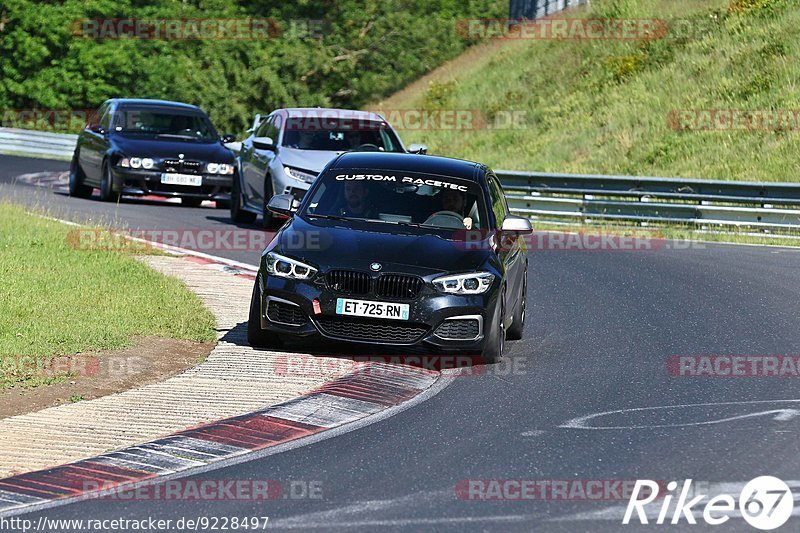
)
(499, 205)
(264, 127)
(105, 119)
(269, 129)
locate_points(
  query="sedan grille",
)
(183, 167)
(461, 329)
(284, 313)
(398, 286)
(349, 281)
(371, 330)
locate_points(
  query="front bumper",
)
(148, 182)
(445, 322)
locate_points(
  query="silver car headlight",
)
(475, 283)
(300, 175)
(285, 267)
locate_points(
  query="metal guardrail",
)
(37, 143)
(590, 199)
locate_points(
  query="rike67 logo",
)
(765, 503)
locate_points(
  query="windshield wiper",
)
(176, 136)
(328, 217)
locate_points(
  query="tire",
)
(76, 176)
(191, 202)
(238, 214)
(268, 219)
(222, 204)
(107, 192)
(257, 337)
(496, 341)
(514, 333)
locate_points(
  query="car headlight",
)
(147, 163)
(125, 162)
(219, 168)
(300, 175)
(285, 267)
(476, 283)
(136, 162)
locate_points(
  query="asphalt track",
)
(601, 328)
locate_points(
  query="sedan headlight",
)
(300, 175)
(285, 267)
(219, 168)
(136, 162)
(476, 283)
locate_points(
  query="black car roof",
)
(426, 164)
(162, 103)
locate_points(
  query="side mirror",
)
(263, 143)
(96, 128)
(517, 225)
(420, 149)
(283, 204)
(228, 138)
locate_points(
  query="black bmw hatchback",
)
(395, 249)
(152, 147)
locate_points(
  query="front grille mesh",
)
(283, 313)
(183, 167)
(349, 281)
(398, 286)
(371, 330)
(459, 329)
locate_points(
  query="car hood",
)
(162, 149)
(312, 160)
(329, 245)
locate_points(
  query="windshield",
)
(165, 123)
(387, 197)
(340, 135)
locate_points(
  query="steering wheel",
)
(367, 147)
(447, 219)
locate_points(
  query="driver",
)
(357, 204)
(454, 201)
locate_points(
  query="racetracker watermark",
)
(571, 242)
(734, 366)
(386, 365)
(545, 489)
(587, 29)
(195, 29)
(252, 490)
(72, 365)
(455, 119)
(46, 119)
(750, 120)
(245, 240)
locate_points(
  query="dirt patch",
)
(96, 374)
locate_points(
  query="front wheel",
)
(238, 213)
(107, 192)
(268, 219)
(76, 177)
(515, 331)
(257, 337)
(496, 339)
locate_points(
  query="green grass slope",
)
(610, 106)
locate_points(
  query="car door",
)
(510, 249)
(94, 143)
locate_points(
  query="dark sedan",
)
(395, 249)
(152, 147)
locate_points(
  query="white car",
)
(287, 150)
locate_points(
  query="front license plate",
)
(182, 179)
(345, 306)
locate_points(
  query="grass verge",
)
(617, 107)
(58, 300)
